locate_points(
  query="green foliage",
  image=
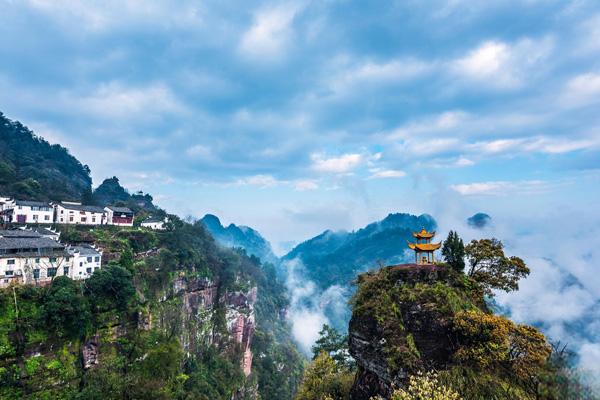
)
(453, 250)
(110, 287)
(335, 345)
(324, 380)
(491, 268)
(32, 169)
(65, 311)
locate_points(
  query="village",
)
(31, 252)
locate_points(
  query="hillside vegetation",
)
(156, 324)
(33, 169)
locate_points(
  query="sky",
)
(296, 117)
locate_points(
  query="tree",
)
(453, 251)
(126, 259)
(65, 311)
(110, 287)
(490, 267)
(323, 381)
(335, 345)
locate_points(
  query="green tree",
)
(65, 311)
(453, 251)
(110, 287)
(491, 268)
(335, 345)
(323, 380)
(126, 259)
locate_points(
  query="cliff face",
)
(422, 337)
(198, 303)
(409, 319)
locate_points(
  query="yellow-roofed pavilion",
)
(424, 249)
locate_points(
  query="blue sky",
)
(296, 117)
(314, 115)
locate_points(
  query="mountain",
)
(110, 192)
(240, 236)
(479, 220)
(33, 169)
(170, 315)
(337, 257)
(410, 319)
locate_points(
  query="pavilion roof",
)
(424, 234)
(425, 246)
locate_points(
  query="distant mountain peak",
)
(239, 236)
(479, 220)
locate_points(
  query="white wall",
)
(23, 268)
(74, 217)
(33, 215)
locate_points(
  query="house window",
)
(52, 259)
(83, 219)
(81, 264)
(93, 220)
(88, 270)
(66, 270)
(10, 262)
(62, 211)
(36, 273)
(71, 218)
(52, 271)
(8, 273)
(89, 259)
(35, 217)
(37, 260)
(46, 218)
(97, 259)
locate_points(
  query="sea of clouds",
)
(561, 296)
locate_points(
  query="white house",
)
(154, 223)
(6, 203)
(27, 257)
(27, 212)
(86, 260)
(121, 216)
(72, 213)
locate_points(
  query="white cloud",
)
(502, 65)
(341, 164)
(270, 34)
(583, 89)
(500, 188)
(347, 79)
(199, 151)
(303, 185)
(115, 100)
(464, 162)
(386, 173)
(262, 181)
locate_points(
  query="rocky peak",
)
(399, 326)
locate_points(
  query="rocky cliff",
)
(408, 319)
(180, 321)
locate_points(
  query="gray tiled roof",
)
(120, 209)
(19, 233)
(20, 243)
(79, 207)
(28, 203)
(83, 250)
(152, 219)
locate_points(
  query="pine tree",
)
(453, 251)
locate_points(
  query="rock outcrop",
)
(393, 332)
